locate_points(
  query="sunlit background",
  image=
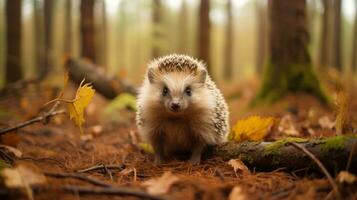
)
(126, 32)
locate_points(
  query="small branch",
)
(84, 190)
(350, 156)
(101, 167)
(322, 167)
(79, 177)
(34, 120)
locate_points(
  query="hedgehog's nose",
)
(175, 106)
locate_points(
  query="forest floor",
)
(59, 147)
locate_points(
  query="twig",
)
(350, 156)
(34, 120)
(101, 167)
(322, 167)
(84, 190)
(78, 176)
(108, 172)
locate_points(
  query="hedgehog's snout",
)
(175, 106)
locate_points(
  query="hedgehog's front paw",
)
(195, 159)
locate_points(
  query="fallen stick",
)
(41, 118)
(84, 190)
(79, 177)
(334, 153)
(101, 167)
(322, 167)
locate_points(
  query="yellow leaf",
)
(254, 128)
(146, 147)
(76, 107)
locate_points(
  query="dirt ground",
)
(59, 147)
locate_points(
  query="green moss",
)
(274, 148)
(333, 143)
(246, 158)
(295, 77)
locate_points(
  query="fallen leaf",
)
(238, 166)
(146, 147)
(237, 194)
(17, 153)
(97, 129)
(76, 107)
(86, 137)
(162, 185)
(287, 126)
(21, 177)
(326, 123)
(254, 128)
(346, 177)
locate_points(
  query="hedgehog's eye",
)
(165, 91)
(188, 91)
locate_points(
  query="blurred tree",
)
(325, 38)
(48, 58)
(354, 47)
(289, 68)
(183, 28)
(40, 38)
(228, 67)
(337, 33)
(101, 30)
(88, 29)
(156, 20)
(262, 34)
(204, 33)
(68, 28)
(13, 38)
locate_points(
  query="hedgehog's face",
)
(177, 91)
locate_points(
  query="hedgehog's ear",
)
(202, 76)
(151, 75)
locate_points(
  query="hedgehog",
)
(180, 109)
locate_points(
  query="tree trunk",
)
(262, 32)
(48, 54)
(228, 67)
(325, 41)
(333, 152)
(40, 37)
(68, 28)
(101, 38)
(289, 68)
(88, 29)
(13, 38)
(156, 20)
(337, 40)
(183, 28)
(204, 33)
(354, 47)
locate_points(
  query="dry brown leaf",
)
(325, 122)
(21, 177)
(237, 194)
(287, 126)
(346, 177)
(17, 153)
(162, 185)
(238, 166)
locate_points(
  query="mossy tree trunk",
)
(289, 67)
(335, 153)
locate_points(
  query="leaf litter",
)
(113, 146)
